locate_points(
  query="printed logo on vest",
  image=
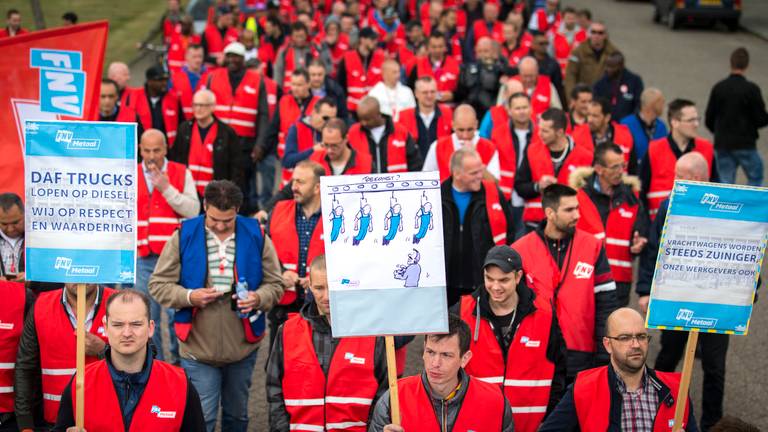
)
(398, 143)
(249, 89)
(542, 98)
(532, 344)
(583, 270)
(354, 360)
(496, 206)
(163, 414)
(625, 213)
(6, 326)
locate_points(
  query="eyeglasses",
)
(615, 167)
(597, 32)
(642, 338)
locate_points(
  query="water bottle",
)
(241, 289)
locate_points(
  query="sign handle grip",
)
(685, 381)
(394, 401)
(80, 372)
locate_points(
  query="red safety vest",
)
(543, 20)
(663, 162)
(289, 65)
(541, 164)
(215, 43)
(447, 75)
(398, 36)
(515, 55)
(418, 414)
(541, 96)
(444, 122)
(156, 220)
(396, 141)
(592, 399)
(239, 108)
(290, 113)
(526, 376)
(617, 235)
(481, 30)
(501, 135)
(138, 101)
(622, 137)
(200, 160)
(182, 86)
(11, 324)
(575, 301)
(495, 212)
(282, 229)
(56, 338)
(160, 409)
(363, 162)
(359, 80)
(445, 150)
(563, 49)
(343, 399)
(177, 49)
(271, 88)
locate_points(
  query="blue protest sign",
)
(711, 251)
(80, 216)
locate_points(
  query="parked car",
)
(677, 12)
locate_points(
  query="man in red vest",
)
(296, 54)
(611, 210)
(475, 218)
(47, 349)
(208, 146)
(294, 105)
(359, 70)
(438, 65)
(600, 129)
(388, 144)
(128, 384)
(296, 229)
(189, 77)
(109, 108)
(580, 98)
(155, 106)
(550, 159)
(626, 394)
(166, 195)
(539, 87)
(12, 24)
(338, 156)
(488, 26)
(444, 397)
(515, 45)
(218, 35)
(316, 381)
(546, 18)
(17, 302)
(306, 135)
(515, 344)
(429, 120)
(657, 171)
(568, 269)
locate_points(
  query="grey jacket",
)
(444, 409)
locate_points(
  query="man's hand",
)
(317, 147)
(257, 154)
(93, 344)
(261, 216)
(445, 96)
(246, 306)
(20, 277)
(304, 282)
(642, 303)
(202, 297)
(393, 428)
(546, 181)
(290, 278)
(638, 243)
(159, 179)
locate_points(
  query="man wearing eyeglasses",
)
(208, 146)
(657, 170)
(626, 394)
(306, 135)
(600, 128)
(587, 61)
(610, 209)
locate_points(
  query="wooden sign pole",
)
(685, 381)
(80, 374)
(394, 401)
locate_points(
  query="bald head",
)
(464, 112)
(204, 96)
(152, 136)
(484, 50)
(119, 73)
(529, 72)
(369, 113)
(153, 148)
(621, 318)
(692, 166)
(203, 105)
(390, 72)
(511, 87)
(465, 122)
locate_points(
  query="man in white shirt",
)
(392, 95)
(11, 238)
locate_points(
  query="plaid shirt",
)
(638, 408)
(304, 228)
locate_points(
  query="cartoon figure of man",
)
(411, 272)
(393, 221)
(363, 222)
(424, 220)
(337, 221)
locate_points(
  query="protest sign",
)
(46, 75)
(80, 216)
(710, 254)
(384, 254)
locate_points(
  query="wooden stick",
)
(80, 374)
(394, 401)
(685, 381)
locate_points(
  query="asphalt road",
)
(685, 63)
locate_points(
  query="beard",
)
(566, 228)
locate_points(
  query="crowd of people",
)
(556, 165)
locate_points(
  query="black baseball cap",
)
(156, 72)
(505, 258)
(368, 33)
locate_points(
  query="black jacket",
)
(379, 151)
(334, 91)
(479, 84)
(735, 112)
(557, 352)
(623, 93)
(564, 417)
(227, 155)
(466, 245)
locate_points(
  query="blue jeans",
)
(264, 180)
(728, 162)
(230, 383)
(144, 268)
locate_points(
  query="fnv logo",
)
(162, 414)
(62, 80)
(68, 137)
(583, 270)
(63, 263)
(716, 205)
